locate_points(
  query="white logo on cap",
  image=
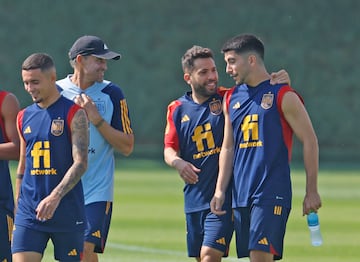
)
(105, 47)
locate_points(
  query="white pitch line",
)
(161, 251)
(146, 249)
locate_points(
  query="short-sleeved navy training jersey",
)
(48, 156)
(196, 131)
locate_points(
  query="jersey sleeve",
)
(121, 117)
(222, 90)
(19, 120)
(3, 94)
(171, 138)
(228, 97)
(72, 111)
(282, 92)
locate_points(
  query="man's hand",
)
(88, 104)
(312, 202)
(187, 171)
(280, 77)
(216, 205)
(46, 208)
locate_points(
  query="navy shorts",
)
(206, 229)
(98, 216)
(260, 228)
(6, 226)
(68, 246)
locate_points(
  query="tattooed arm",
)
(79, 138)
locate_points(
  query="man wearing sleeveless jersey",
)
(9, 150)
(259, 122)
(193, 139)
(110, 129)
(53, 156)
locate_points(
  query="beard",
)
(205, 91)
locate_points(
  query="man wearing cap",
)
(110, 129)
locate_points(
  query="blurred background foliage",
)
(317, 42)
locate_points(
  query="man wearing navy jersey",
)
(53, 156)
(193, 138)
(110, 130)
(259, 122)
(9, 150)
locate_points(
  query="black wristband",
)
(19, 176)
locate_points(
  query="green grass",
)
(148, 221)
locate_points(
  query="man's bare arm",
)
(79, 137)
(225, 165)
(9, 109)
(299, 120)
(80, 140)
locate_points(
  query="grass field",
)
(148, 220)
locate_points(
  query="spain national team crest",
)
(267, 101)
(215, 107)
(57, 127)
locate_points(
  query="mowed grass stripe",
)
(148, 222)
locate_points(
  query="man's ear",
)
(187, 78)
(252, 59)
(52, 75)
(78, 58)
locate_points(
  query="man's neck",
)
(79, 81)
(258, 77)
(50, 100)
(198, 99)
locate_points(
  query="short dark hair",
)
(192, 54)
(244, 43)
(40, 61)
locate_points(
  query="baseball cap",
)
(92, 45)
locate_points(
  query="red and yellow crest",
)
(57, 127)
(267, 101)
(215, 107)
